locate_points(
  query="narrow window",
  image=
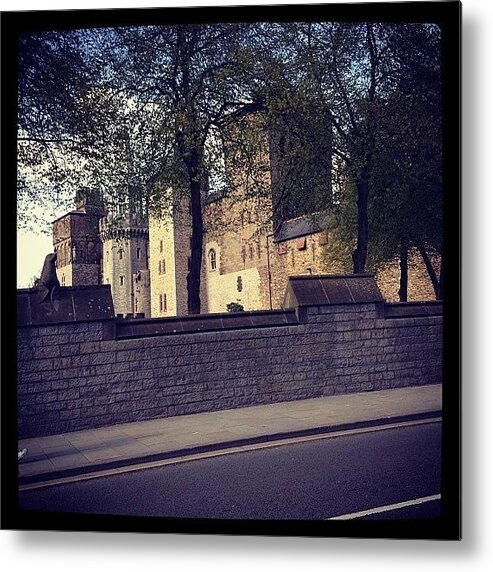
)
(212, 259)
(136, 305)
(120, 253)
(313, 251)
(160, 246)
(301, 243)
(121, 280)
(239, 284)
(163, 266)
(160, 302)
(138, 252)
(165, 303)
(243, 254)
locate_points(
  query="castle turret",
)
(125, 262)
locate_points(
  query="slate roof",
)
(302, 226)
(325, 290)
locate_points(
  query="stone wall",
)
(162, 266)
(236, 229)
(142, 293)
(300, 255)
(241, 287)
(169, 245)
(81, 375)
(419, 282)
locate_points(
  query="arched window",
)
(212, 259)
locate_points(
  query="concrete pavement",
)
(94, 450)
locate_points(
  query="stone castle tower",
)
(97, 247)
(77, 243)
(125, 262)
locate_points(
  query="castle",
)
(244, 261)
(145, 259)
(248, 251)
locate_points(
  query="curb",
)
(321, 430)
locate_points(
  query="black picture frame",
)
(447, 15)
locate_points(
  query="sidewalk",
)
(93, 450)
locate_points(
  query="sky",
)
(31, 252)
(35, 243)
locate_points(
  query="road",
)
(317, 479)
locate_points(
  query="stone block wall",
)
(420, 286)
(236, 228)
(162, 266)
(74, 376)
(169, 247)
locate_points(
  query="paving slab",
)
(91, 450)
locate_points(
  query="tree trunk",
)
(360, 254)
(192, 153)
(437, 286)
(194, 165)
(367, 145)
(403, 284)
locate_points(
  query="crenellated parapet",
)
(124, 227)
(124, 233)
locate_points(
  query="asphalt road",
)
(311, 480)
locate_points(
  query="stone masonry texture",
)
(72, 377)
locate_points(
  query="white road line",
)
(387, 508)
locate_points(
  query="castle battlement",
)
(130, 225)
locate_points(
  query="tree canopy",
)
(135, 110)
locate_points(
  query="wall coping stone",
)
(413, 309)
(137, 328)
(70, 304)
